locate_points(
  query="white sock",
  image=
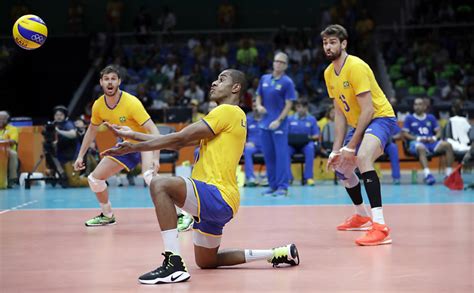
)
(377, 215)
(106, 209)
(449, 170)
(427, 171)
(255, 254)
(170, 240)
(361, 210)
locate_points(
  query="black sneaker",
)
(173, 270)
(285, 254)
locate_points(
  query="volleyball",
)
(30, 32)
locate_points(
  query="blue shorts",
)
(429, 146)
(213, 210)
(128, 161)
(383, 128)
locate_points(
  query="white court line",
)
(18, 206)
(255, 206)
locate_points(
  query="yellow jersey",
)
(220, 156)
(355, 78)
(129, 111)
(9, 132)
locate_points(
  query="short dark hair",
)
(110, 69)
(301, 102)
(239, 77)
(61, 109)
(336, 30)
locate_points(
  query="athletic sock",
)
(170, 240)
(106, 209)
(377, 215)
(255, 254)
(449, 170)
(426, 171)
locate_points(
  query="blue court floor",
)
(324, 193)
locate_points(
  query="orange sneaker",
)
(356, 223)
(378, 235)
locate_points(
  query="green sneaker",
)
(101, 220)
(285, 254)
(185, 222)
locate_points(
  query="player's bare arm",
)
(174, 141)
(89, 137)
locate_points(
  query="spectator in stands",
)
(9, 133)
(303, 123)
(142, 95)
(142, 24)
(452, 90)
(180, 98)
(76, 16)
(194, 92)
(218, 60)
(114, 14)
(328, 117)
(226, 15)
(423, 132)
(158, 80)
(253, 144)
(197, 116)
(470, 89)
(247, 54)
(167, 21)
(169, 69)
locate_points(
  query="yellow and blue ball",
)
(30, 32)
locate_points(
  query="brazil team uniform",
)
(274, 94)
(356, 78)
(421, 126)
(214, 174)
(309, 126)
(254, 135)
(130, 112)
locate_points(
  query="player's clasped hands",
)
(342, 157)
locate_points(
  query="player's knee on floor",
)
(96, 185)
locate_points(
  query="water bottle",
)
(414, 177)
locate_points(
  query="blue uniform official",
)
(253, 145)
(274, 90)
(306, 125)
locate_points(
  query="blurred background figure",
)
(9, 133)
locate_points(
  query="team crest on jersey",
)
(122, 119)
(278, 87)
(308, 124)
(345, 84)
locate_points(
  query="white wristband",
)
(419, 138)
(348, 150)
